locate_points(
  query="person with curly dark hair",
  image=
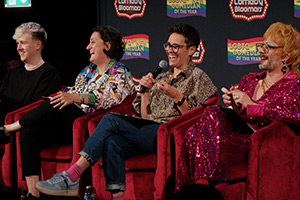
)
(118, 138)
(105, 83)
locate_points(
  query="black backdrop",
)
(69, 25)
(215, 29)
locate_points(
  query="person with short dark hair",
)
(117, 138)
(103, 84)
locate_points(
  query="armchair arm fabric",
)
(274, 164)
(7, 159)
(173, 131)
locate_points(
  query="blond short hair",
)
(35, 29)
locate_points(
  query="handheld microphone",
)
(161, 65)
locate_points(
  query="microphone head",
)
(163, 64)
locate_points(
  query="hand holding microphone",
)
(148, 80)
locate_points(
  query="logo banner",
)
(248, 9)
(130, 8)
(297, 8)
(243, 52)
(199, 54)
(137, 46)
(186, 8)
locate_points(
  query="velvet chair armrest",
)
(15, 115)
(19, 113)
(274, 163)
(169, 140)
(7, 159)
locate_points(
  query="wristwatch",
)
(180, 102)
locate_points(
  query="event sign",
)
(243, 52)
(137, 46)
(248, 9)
(130, 8)
(186, 8)
(199, 54)
(297, 8)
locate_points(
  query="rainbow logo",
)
(243, 52)
(297, 8)
(186, 8)
(137, 46)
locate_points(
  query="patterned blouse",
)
(109, 89)
(193, 83)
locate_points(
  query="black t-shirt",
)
(21, 87)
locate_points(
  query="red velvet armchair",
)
(8, 165)
(55, 159)
(147, 175)
(272, 171)
(274, 163)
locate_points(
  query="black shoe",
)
(30, 197)
(3, 138)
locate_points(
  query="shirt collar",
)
(187, 71)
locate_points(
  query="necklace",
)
(265, 84)
(35, 66)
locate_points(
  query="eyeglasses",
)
(265, 47)
(175, 47)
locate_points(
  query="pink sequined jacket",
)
(210, 146)
(280, 102)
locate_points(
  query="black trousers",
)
(42, 127)
(4, 109)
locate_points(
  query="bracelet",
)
(180, 102)
(92, 99)
(81, 98)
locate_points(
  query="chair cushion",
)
(143, 162)
(57, 152)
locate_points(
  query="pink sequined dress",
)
(210, 146)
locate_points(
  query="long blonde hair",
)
(285, 35)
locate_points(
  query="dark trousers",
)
(42, 127)
(116, 139)
(4, 109)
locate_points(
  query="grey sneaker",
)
(59, 185)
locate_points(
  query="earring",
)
(284, 67)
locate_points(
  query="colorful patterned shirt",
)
(109, 89)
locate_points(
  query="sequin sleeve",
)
(285, 105)
(280, 102)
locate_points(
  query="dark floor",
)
(10, 194)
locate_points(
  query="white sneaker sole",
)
(57, 193)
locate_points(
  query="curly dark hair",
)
(114, 37)
(190, 34)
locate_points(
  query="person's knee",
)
(109, 118)
(112, 146)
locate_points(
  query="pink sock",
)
(74, 172)
(119, 198)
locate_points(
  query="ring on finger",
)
(236, 96)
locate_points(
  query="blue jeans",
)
(117, 139)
